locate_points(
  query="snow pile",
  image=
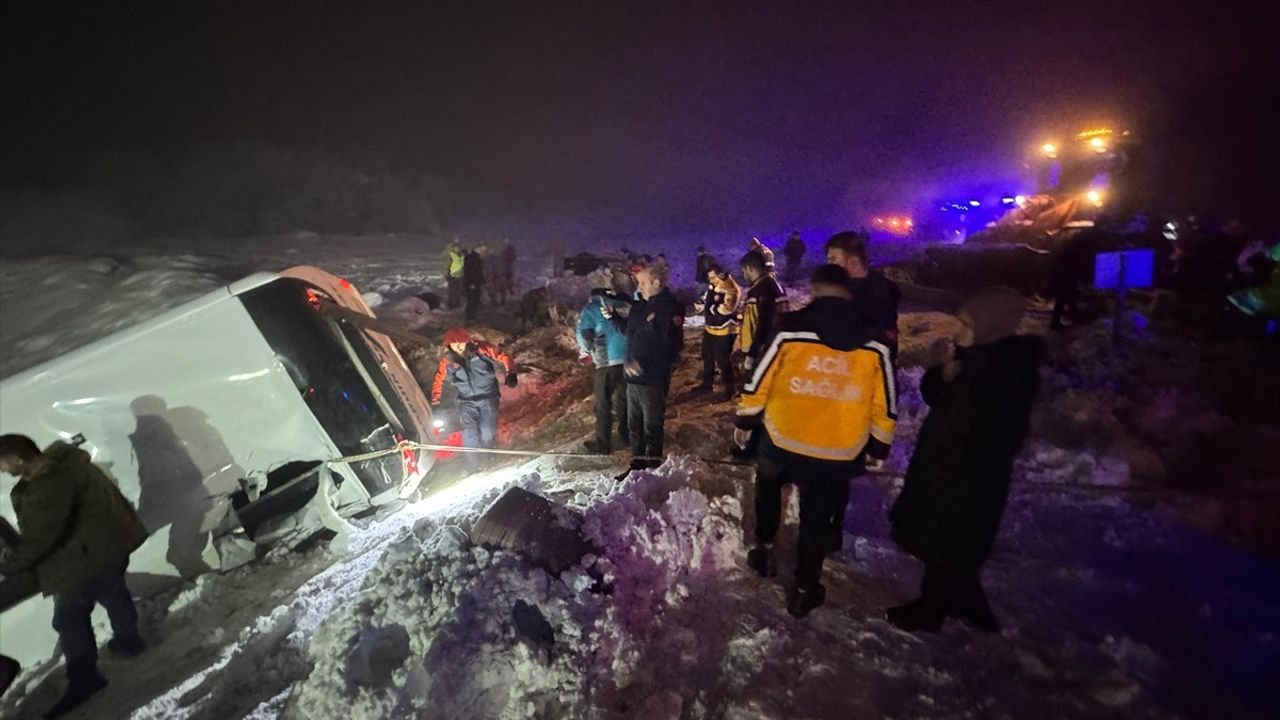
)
(445, 629)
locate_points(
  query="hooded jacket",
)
(604, 341)
(956, 486)
(74, 522)
(820, 391)
(655, 333)
(473, 374)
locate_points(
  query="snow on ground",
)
(1115, 604)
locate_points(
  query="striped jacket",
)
(819, 391)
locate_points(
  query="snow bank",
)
(445, 629)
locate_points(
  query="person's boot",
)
(760, 558)
(803, 602)
(916, 615)
(973, 609)
(10, 669)
(126, 646)
(80, 686)
(596, 448)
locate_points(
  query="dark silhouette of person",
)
(180, 459)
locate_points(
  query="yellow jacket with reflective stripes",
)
(821, 393)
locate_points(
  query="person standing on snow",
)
(76, 535)
(470, 368)
(655, 331)
(454, 259)
(508, 276)
(875, 296)
(473, 280)
(760, 309)
(794, 252)
(949, 510)
(604, 344)
(765, 253)
(719, 307)
(822, 399)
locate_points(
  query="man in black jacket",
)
(655, 332)
(956, 486)
(473, 280)
(875, 296)
(794, 252)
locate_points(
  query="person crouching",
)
(823, 399)
(470, 368)
(958, 481)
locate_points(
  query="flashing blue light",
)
(1006, 200)
(974, 203)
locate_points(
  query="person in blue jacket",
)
(604, 345)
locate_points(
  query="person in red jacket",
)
(470, 369)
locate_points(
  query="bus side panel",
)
(175, 417)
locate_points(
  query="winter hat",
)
(994, 314)
(456, 335)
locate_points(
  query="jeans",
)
(822, 491)
(717, 350)
(72, 611)
(646, 410)
(611, 404)
(479, 420)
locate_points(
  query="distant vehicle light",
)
(1098, 144)
(974, 203)
(1006, 200)
(1049, 149)
(1020, 200)
(1094, 197)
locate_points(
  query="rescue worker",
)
(719, 307)
(949, 511)
(454, 259)
(765, 253)
(794, 252)
(604, 344)
(473, 280)
(76, 534)
(823, 398)
(655, 331)
(470, 368)
(761, 307)
(875, 296)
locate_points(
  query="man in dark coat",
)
(655, 332)
(704, 264)
(875, 296)
(794, 252)
(76, 534)
(954, 495)
(473, 281)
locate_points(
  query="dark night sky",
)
(716, 117)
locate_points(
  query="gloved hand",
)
(512, 380)
(749, 363)
(585, 360)
(741, 438)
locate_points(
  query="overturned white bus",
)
(219, 420)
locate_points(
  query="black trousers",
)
(611, 404)
(646, 411)
(473, 301)
(953, 589)
(455, 292)
(822, 492)
(717, 350)
(73, 609)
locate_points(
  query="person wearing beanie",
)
(470, 369)
(603, 344)
(980, 398)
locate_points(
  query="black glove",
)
(512, 380)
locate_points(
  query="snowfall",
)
(1136, 571)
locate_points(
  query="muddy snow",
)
(1128, 588)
